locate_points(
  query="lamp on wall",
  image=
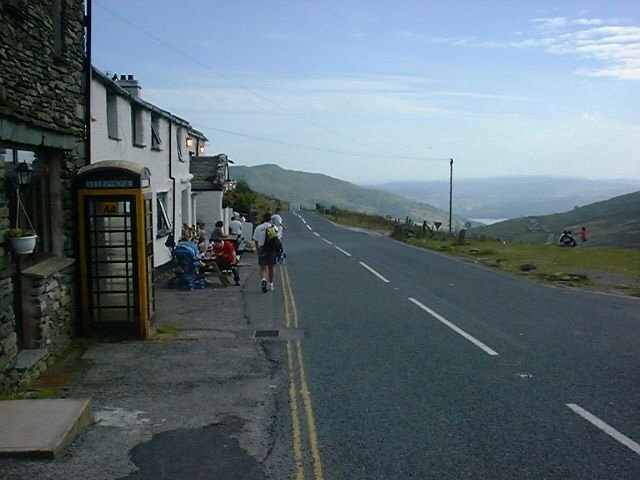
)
(201, 149)
(189, 142)
(24, 174)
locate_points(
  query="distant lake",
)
(488, 221)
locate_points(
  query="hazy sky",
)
(390, 90)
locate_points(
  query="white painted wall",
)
(210, 209)
(172, 135)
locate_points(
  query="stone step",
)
(41, 428)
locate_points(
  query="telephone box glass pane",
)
(111, 244)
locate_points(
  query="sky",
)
(372, 91)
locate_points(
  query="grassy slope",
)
(311, 188)
(611, 223)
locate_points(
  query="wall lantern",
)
(24, 174)
(201, 149)
(189, 142)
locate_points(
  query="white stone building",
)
(125, 127)
(210, 182)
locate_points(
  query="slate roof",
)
(209, 172)
(110, 84)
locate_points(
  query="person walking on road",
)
(235, 231)
(266, 239)
(276, 220)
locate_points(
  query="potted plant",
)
(22, 240)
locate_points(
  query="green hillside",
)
(611, 223)
(309, 189)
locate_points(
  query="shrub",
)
(20, 232)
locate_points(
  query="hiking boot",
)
(264, 286)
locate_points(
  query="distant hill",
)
(510, 197)
(309, 189)
(610, 223)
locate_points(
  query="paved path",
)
(200, 405)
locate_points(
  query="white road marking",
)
(308, 227)
(327, 241)
(455, 328)
(374, 272)
(367, 232)
(316, 234)
(605, 427)
(343, 251)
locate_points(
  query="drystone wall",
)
(42, 108)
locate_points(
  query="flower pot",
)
(23, 245)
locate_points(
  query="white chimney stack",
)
(130, 84)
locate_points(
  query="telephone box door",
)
(112, 272)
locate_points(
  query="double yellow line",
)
(299, 393)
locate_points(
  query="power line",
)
(258, 95)
(317, 149)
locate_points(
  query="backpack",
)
(271, 241)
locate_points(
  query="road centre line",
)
(342, 251)
(327, 241)
(374, 272)
(307, 226)
(605, 427)
(316, 234)
(296, 365)
(455, 328)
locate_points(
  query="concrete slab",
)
(41, 428)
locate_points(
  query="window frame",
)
(35, 198)
(156, 140)
(164, 225)
(137, 124)
(112, 116)
(180, 140)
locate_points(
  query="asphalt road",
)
(422, 366)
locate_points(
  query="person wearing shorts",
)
(266, 259)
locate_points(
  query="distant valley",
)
(511, 197)
(309, 189)
(612, 218)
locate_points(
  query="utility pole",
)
(450, 191)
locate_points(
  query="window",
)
(156, 141)
(35, 206)
(163, 223)
(112, 116)
(180, 140)
(137, 132)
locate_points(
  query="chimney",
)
(130, 84)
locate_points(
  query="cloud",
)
(611, 46)
(591, 117)
(350, 96)
(560, 22)
(615, 49)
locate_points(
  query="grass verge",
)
(609, 269)
(613, 270)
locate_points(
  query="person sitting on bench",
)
(225, 256)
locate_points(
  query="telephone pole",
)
(450, 191)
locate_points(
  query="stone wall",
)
(42, 108)
(8, 336)
(48, 289)
(38, 87)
